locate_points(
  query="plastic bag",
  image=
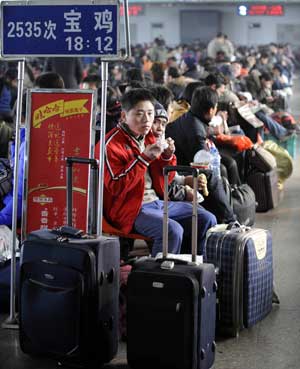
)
(5, 243)
(237, 142)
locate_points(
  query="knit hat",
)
(278, 67)
(160, 111)
(190, 61)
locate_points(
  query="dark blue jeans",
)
(276, 129)
(149, 223)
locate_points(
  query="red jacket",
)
(124, 177)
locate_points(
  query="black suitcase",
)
(265, 187)
(171, 308)
(69, 285)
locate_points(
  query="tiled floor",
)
(275, 342)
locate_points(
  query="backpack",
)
(5, 177)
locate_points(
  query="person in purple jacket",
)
(7, 211)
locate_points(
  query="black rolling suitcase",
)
(265, 187)
(171, 308)
(69, 293)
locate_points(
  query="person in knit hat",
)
(134, 182)
(180, 189)
(189, 68)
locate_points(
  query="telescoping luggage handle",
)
(92, 194)
(185, 170)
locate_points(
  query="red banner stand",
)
(59, 124)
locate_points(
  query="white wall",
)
(168, 16)
(235, 26)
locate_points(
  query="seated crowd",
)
(163, 113)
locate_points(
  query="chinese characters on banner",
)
(60, 30)
(59, 127)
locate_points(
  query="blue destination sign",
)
(60, 30)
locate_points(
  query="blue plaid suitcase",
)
(244, 265)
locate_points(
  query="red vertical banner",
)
(59, 126)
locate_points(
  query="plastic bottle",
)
(215, 161)
(209, 159)
(203, 158)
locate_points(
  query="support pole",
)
(12, 321)
(104, 79)
(127, 30)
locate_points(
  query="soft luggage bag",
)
(171, 307)
(244, 204)
(242, 200)
(265, 187)
(283, 159)
(261, 159)
(244, 264)
(289, 144)
(69, 288)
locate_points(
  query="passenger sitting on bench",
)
(133, 178)
(216, 200)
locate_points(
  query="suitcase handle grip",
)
(70, 160)
(182, 169)
(237, 193)
(236, 225)
(68, 231)
(176, 261)
(233, 225)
